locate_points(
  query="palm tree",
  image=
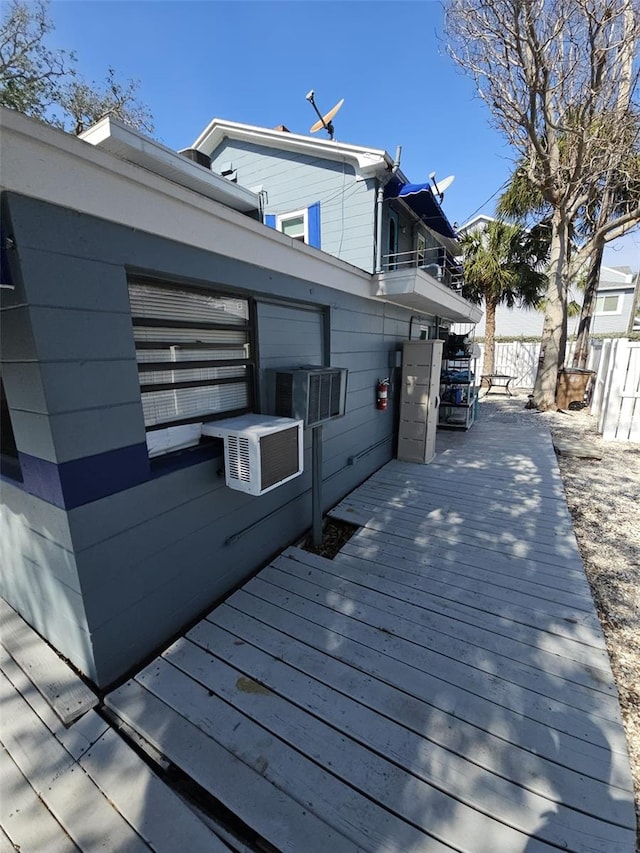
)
(502, 266)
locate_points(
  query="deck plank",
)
(373, 653)
(442, 684)
(351, 702)
(443, 632)
(467, 559)
(347, 739)
(404, 620)
(76, 738)
(441, 503)
(67, 694)
(153, 809)
(505, 532)
(73, 799)
(24, 817)
(569, 625)
(338, 817)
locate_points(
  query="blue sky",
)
(253, 61)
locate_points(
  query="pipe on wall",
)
(379, 201)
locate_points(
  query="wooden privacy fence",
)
(616, 397)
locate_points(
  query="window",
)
(294, 225)
(195, 360)
(608, 304)
(302, 225)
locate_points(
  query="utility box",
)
(571, 390)
(419, 401)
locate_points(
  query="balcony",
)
(437, 263)
(428, 281)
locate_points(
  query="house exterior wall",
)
(294, 181)
(527, 322)
(141, 549)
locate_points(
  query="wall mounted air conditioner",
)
(260, 452)
(313, 394)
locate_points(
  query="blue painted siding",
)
(296, 181)
(154, 554)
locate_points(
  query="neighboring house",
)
(141, 303)
(614, 303)
(352, 202)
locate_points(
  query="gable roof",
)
(367, 162)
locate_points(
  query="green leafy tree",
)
(45, 84)
(502, 266)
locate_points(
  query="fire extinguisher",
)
(382, 394)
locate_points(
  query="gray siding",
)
(294, 181)
(526, 322)
(38, 573)
(148, 558)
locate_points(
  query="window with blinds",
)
(195, 360)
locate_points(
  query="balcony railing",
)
(438, 263)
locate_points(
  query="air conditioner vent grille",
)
(278, 456)
(239, 460)
(313, 394)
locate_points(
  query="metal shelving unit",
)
(458, 393)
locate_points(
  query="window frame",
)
(604, 296)
(249, 363)
(303, 213)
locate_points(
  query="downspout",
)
(379, 201)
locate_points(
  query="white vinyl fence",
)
(616, 398)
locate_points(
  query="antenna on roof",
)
(442, 185)
(324, 120)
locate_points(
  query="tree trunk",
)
(555, 318)
(489, 363)
(588, 306)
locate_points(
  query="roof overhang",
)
(418, 291)
(367, 162)
(422, 201)
(116, 138)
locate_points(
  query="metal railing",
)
(437, 263)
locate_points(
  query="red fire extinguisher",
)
(382, 394)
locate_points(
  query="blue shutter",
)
(270, 220)
(313, 222)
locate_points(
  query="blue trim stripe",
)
(270, 220)
(314, 224)
(81, 481)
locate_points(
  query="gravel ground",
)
(604, 500)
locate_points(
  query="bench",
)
(497, 380)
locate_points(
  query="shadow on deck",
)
(441, 684)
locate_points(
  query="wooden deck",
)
(442, 684)
(75, 785)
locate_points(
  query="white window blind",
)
(195, 358)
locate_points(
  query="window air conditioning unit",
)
(312, 394)
(260, 452)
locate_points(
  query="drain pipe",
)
(379, 200)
